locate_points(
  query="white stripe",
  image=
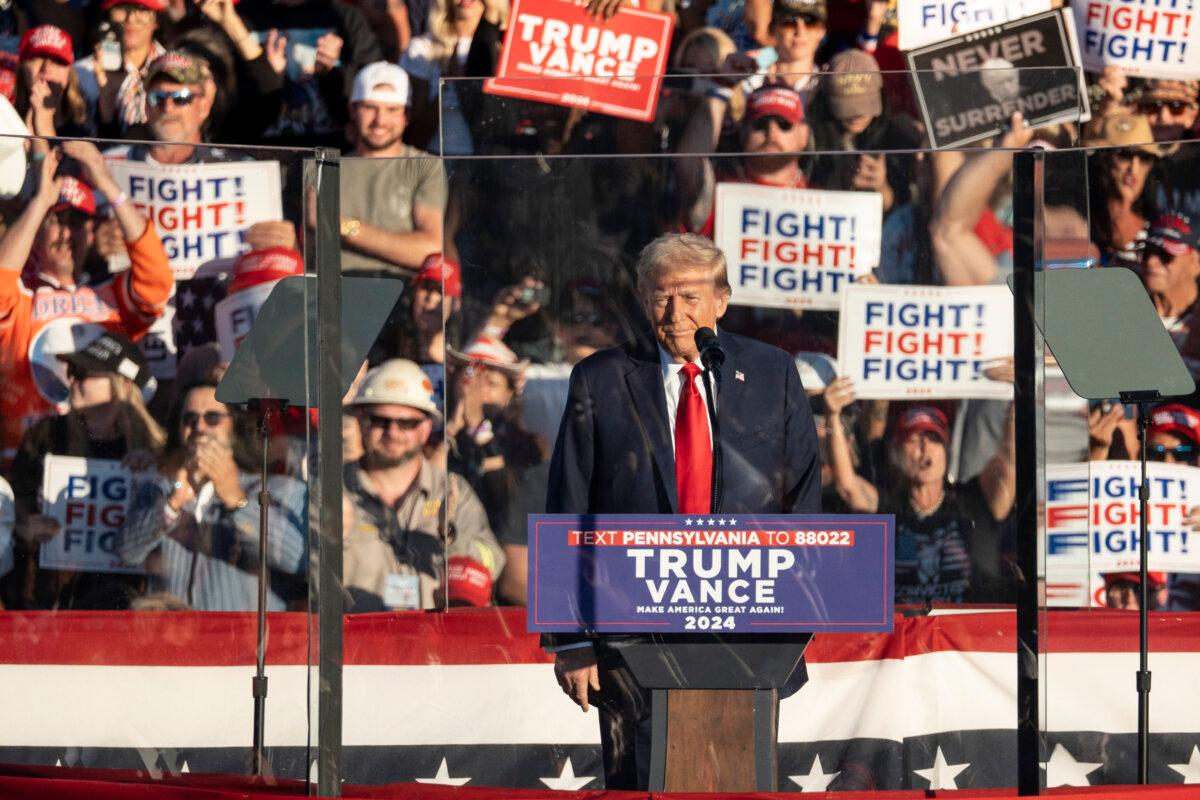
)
(103, 706)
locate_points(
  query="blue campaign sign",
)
(652, 573)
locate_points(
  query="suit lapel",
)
(732, 393)
(645, 384)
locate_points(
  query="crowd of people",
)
(515, 267)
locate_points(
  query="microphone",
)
(712, 355)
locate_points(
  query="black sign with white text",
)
(970, 86)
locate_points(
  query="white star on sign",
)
(1191, 770)
(443, 777)
(941, 775)
(732, 521)
(1063, 770)
(711, 522)
(722, 522)
(688, 521)
(567, 781)
(816, 780)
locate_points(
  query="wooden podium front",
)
(715, 707)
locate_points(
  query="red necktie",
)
(693, 447)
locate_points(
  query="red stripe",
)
(497, 636)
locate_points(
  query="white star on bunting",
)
(1191, 770)
(567, 780)
(817, 780)
(443, 777)
(941, 775)
(1063, 770)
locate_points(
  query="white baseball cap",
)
(398, 381)
(381, 82)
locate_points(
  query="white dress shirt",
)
(673, 386)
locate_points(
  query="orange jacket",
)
(36, 318)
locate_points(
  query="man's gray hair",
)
(681, 251)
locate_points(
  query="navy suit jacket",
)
(614, 453)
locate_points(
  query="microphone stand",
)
(712, 383)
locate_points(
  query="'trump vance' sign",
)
(89, 497)
(789, 248)
(201, 211)
(555, 52)
(1143, 37)
(622, 573)
(900, 342)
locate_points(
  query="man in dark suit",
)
(635, 438)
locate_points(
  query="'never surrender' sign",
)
(555, 52)
(628, 573)
(899, 342)
(796, 248)
(969, 87)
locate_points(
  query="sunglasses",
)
(178, 97)
(1182, 452)
(808, 20)
(1129, 154)
(1174, 106)
(79, 373)
(1162, 255)
(381, 423)
(211, 419)
(763, 123)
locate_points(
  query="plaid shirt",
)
(206, 554)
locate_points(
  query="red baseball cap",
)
(774, 100)
(1156, 579)
(443, 271)
(1178, 419)
(469, 583)
(48, 41)
(77, 195)
(263, 266)
(921, 419)
(156, 6)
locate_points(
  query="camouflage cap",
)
(176, 66)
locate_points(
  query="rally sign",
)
(201, 211)
(1062, 561)
(922, 22)
(627, 573)
(234, 316)
(970, 86)
(899, 342)
(1144, 37)
(555, 52)
(795, 248)
(90, 498)
(1094, 523)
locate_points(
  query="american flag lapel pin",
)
(738, 375)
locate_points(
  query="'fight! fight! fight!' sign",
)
(795, 248)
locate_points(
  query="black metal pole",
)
(259, 684)
(1028, 175)
(1143, 675)
(711, 384)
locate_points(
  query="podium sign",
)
(630, 573)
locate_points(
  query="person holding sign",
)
(107, 421)
(948, 546)
(51, 241)
(773, 132)
(195, 525)
(636, 438)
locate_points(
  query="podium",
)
(731, 682)
(712, 617)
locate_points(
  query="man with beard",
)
(391, 208)
(418, 536)
(773, 134)
(45, 296)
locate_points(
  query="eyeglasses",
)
(179, 97)
(1174, 106)
(1182, 452)
(211, 419)
(808, 21)
(585, 319)
(1129, 153)
(79, 373)
(763, 123)
(382, 423)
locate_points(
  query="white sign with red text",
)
(1149, 38)
(89, 497)
(922, 22)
